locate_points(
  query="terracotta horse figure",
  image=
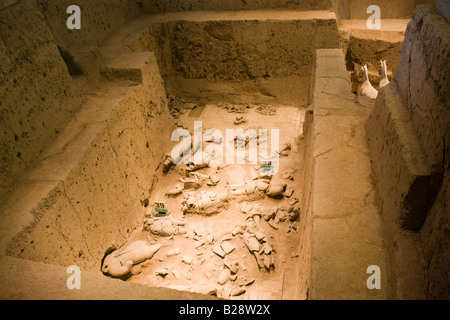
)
(366, 88)
(383, 73)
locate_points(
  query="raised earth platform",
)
(340, 196)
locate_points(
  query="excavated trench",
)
(217, 213)
(218, 74)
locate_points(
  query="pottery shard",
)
(251, 242)
(257, 219)
(259, 259)
(199, 244)
(173, 252)
(238, 230)
(227, 247)
(289, 192)
(237, 291)
(259, 234)
(267, 248)
(267, 261)
(270, 214)
(213, 180)
(250, 282)
(246, 207)
(262, 185)
(273, 224)
(233, 266)
(219, 251)
(294, 215)
(192, 183)
(250, 187)
(210, 238)
(276, 189)
(187, 260)
(282, 215)
(224, 277)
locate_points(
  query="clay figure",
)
(366, 88)
(120, 262)
(383, 73)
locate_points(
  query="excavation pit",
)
(202, 272)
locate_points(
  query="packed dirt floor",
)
(187, 260)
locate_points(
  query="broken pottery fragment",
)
(282, 215)
(219, 251)
(267, 261)
(273, 224)
(276, 189)
(295, 214)
(239, 120)
(173, 252)
(270, 214)
(250, 187)
(251, 242)
(194, 167)
(187, 260)
(191, 183)
(233, 266)
(289, 192)
(226, 292)
(259, 234)
(227, 247)
(267, 248)
(246, 207)
(250, 223)
(210, 238)
(238, 230)
(259, 259)
(199, 244)
(224, 277)
(257, 218)
(175, 191)
(120, 262)
(262, 185)
(249, 282)
(213, 181)
(199, 176)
